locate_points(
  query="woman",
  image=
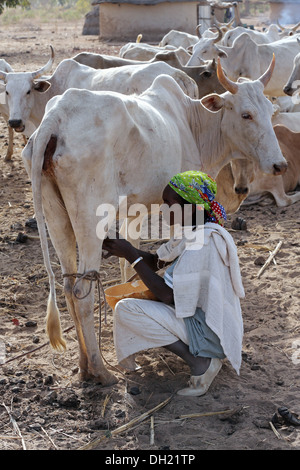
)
(197, 314)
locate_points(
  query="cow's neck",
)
(38, 110)
(206, 129)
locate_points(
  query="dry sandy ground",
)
(40, 391)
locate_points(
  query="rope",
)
(92, 276)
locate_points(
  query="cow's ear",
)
(41, 85)
(221, 53)
(213, 102)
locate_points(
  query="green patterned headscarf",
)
(197, 187)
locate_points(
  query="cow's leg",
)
(10, 148)
(64, 242)
(126, 270)
(89, 249)
(281, 198)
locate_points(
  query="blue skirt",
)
(202, 340)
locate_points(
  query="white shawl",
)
(208, 276)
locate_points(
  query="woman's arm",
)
(145, 268)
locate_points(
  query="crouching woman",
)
(197, 314)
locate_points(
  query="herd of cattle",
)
(101, 127)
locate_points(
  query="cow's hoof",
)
(108, 379)
(105, 379)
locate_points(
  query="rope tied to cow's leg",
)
(92, 276)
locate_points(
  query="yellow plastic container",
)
(135, 289)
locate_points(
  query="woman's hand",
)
(119, 247)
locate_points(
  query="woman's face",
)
(176, 205)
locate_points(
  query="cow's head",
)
(293, 83)
(206, 48)
(246, 120)
(19, 92)
(243, 172)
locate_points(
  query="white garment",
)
(209, 277)
(144, 324)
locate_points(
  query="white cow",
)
(259, 37)
(27, 98)
(289, 120)
(93, 147)
(179, 39)
(290, 31)
(247, 59)
(142, 51)
(205, 75)
(5, 67)
(206, 48)
(286, 104)
(292, 84)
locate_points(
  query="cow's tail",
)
(42, 138)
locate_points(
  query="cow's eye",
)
(28, 92)
(206, 74)
(247, 116)
(6, 92)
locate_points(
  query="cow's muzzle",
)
(288, 90)
(279, 168)
(241, 190)
(16, 124)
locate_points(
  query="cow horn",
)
(220, 35)
(281, 27)
(295, 27)
(198, 31)
(46, 67)
(228, 84)
(266, 77)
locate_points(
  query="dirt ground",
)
(43, 404)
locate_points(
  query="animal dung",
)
(239, 224)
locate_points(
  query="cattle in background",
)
(288, 31)
(205, 49)
(291, 120)
(285, 104)
(142, 52)
(247, 59)
(180, 39)
(27, 97)
(259, 37)
(293, 82)
(242, 182)
(5, 67)
(102, 61)
(205, 75)
(23, 87)
(92, 147)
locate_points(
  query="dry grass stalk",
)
(126, 427)
(274, 430)
(210, 413)
(15, 426)
(106, 400)
(271, 257)
(152, 430)
(50, 438)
